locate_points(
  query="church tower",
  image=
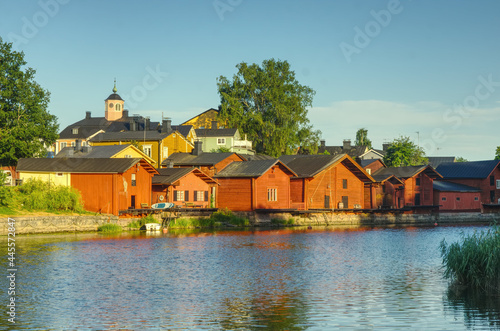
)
(113, 106)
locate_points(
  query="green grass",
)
(37, 195)
(227, 216)
(475, 261)
(186, 223)
(140, 222)
(109, 228)
(279, 221)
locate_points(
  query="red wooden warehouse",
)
(251, 185)
(326, 181)
(452, 197)
(184, 187)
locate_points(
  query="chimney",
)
(385, 146)
(132, 125)
(166, 126)
(214, 125)
(347, 145)
(148, 124)
(197, 150)
(78, 145)
(88, 115)
(125, 114)
(170, 163)
(322, 142)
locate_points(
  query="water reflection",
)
(352, 277)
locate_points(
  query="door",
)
(327, 201)
(492, 196)
(345, 201)
(417, 199)
(132, 202)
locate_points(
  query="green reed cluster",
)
(110, 228)
(475, 261)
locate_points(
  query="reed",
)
(140, 222)
(475, 261)
(227, 216)
(109, 228)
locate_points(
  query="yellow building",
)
(100, 152)
(157, 145)
(204, 120)
(55, 178)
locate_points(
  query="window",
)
(72, 144)
(84, 143)
(63, 145)
(492, 180)
(383, 188)
(344, 183)
(118, 107)
(369, 171)
(498, 183)
(74, 131)
(165, 152)
(128, 156)
(133, 180)
(221, 141)
(59, 174)
(147, 150)
(200, 196)
(272, 194)
(417, 181)
(458, 198)
(443, 198)
(476, 198)
(178, 195)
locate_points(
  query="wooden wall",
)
(274, 178)
(189, 183)
(466, 201)
(235, 194)
(483, 185)
(425, 190)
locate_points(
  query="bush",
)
(227, 216)
(183, 223)
(475, 262)
(109, 228)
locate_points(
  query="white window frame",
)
(200, 196)
(73, 144)
(272, 194)
(63, 144)
(74, 131)
(498, 184)
(165, 152)
(147, 149)
(369, 171)
(180, 195)
(221, 141)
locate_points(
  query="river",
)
(359, 278)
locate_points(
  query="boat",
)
(162, 205)
(152, 226)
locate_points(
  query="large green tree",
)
(362, 138)
(26, 127)
(403, 152)
(269, 105)
(497, 153)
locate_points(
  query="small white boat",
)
(162, 205)
(153, 227)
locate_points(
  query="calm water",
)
(355, 278)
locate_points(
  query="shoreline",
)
(89, 223)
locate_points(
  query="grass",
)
(279, 221)
(227, 216)
(475, 261)
(109, 228)
(37, 195)
(140, 222)
(217, 219)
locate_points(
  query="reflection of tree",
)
(477, 307)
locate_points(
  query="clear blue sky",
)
(394, 68)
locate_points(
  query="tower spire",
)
(114, 88)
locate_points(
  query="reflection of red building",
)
(327, 181)
(418, 180)
(183, 186)
(456, 197)
(250, 185)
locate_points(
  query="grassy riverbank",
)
(475, 261)
(36, 196)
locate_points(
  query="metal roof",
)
(114, 96)
(204, 159)
(250, 168)
(77, 165)
(215, 132)
(95, 152)
(169, 176)
(475, 169)
(366, 162)
(435, 161)
(407, 172)
(440, 185)
(130, 135)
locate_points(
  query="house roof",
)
(367, 162)
(81, 165)
(206, 111)
(96, 152)
(435, 161)
(307, 166)
(215, 132)
(204, 159)
(114, 96)
(170, 176)
(475, 169)
(130, 135)
(444, 186)
(380, 152)
(250, 168)
(183, 129)
(354, 151)
(406, 172)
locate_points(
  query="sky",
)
(428, 70)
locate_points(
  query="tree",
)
(269, 105)
(362, 138)
(26, 127)
(461, 159)
(497, 153)
(403, 152)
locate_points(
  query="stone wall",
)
(50, 224)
